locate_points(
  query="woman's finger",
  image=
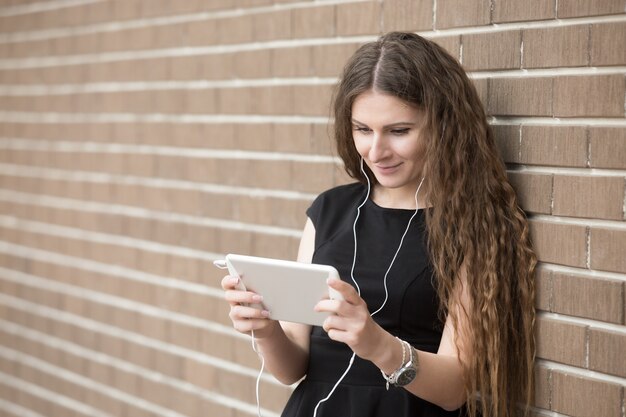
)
(328, 306)
(347, 291)
(239, 312)
(238, 297)
(229, 282)
(332, 323)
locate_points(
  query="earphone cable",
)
(358, 213)
(258, 378)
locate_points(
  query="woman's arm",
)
(440, 378)
(285, 346)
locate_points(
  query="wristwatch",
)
(406, 373)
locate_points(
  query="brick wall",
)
(140, 140)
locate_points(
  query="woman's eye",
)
(362, 129)
(399, 132)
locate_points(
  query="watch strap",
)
(393, 377)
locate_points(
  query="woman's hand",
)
(351, 322)
(245, 316)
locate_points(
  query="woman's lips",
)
(387, 169)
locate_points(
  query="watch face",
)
(406, 376)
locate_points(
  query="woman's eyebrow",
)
(386, 126)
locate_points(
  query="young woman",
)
(433, 250)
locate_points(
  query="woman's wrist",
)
(388, 357)
(267, 332)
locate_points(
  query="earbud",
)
(220, 264)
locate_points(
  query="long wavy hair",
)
(475, 223)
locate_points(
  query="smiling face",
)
(388, 135)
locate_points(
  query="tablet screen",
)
(290, 289)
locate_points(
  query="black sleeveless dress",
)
(410, 312)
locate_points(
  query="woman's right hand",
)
(247, 317)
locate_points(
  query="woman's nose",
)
(378, 149)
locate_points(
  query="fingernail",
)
(257, 297)
(234, 280)
(265, 313)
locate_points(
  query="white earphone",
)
(358, 213)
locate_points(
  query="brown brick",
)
(248, 3)
(272, 25)
(170, 36)
(292, 138)
(329, 60)
(554, 145)
(137, 38)
(543, 287)
(608, 44)
(580, 96)
(533, 190)
(606, 351)
(303, 180)
(553, 47)
(552, 335)
(314, 100)
(257, 100)
(87, 43)
(520, 97)
(292, 62)
(588, 296)
(169, 101)
(573, 8)
(607, 147)
(252, 64)
(309, 23)
(269, 174)
(184, 68)
(238, 29)
(507, 139)
(216, 67)
(607, 249)
(604, 196)
(513, 10)
(559, 243)
(496, 50)
(452, 44)
(407, 15)
(482, 89)
(124, 71)
(202, 101)
(126, 10)
(463, 13)
(253, 137)
(578, 396)
(358, 19)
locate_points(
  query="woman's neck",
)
(397, 198)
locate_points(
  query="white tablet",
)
(290, 289)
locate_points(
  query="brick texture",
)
(589, 96)
(560, 146)
(463, 13)
(574, 295)
(607, 148)
(140, 140)
(567, 47)
(552, 335)
(407, 15)
(581, 397)
(605, 197)
(485, 50)
(512, 11)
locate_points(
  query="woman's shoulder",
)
(336, 200)
(343, 193)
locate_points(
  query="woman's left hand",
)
(350, 321)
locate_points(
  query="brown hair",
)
(474, 223)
